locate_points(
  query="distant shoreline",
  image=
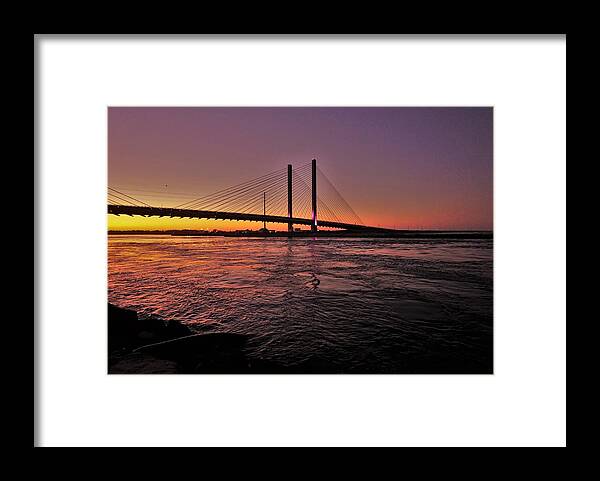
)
(404, 234)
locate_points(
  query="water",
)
(347, 305)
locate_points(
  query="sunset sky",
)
(397, 167)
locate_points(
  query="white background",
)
(522, 404)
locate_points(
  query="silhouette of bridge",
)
(282, 197)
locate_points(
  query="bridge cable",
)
(233, 187)
(228, 197)
(128, 196)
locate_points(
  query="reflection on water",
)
(362, 305)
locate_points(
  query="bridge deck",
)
(209, 214)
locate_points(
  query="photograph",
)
(300, 240)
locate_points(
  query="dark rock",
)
(126, 331)
(154, 324)
(203, 353)
(174, 329)
(159, 344)
(139, 363)
(123, 326)
(147, 336)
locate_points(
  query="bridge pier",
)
(264, 210)
(313, 226)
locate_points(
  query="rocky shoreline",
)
(156, 346)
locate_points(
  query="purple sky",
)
(397, 167)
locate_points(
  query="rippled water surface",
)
(353, 305)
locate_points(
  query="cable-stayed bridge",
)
(286, 196)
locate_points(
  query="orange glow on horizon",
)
(125, 222)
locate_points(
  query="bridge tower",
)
(313, 226)
(290, 225)
(264, 209)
